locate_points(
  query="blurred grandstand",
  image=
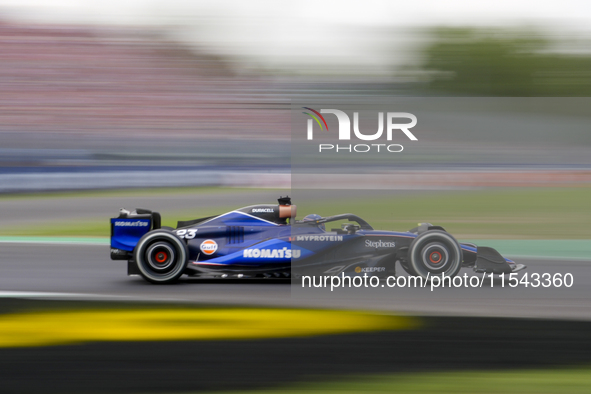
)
(109, 107)
(102, 100)
(127, 107)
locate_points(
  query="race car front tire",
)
(161, 256)
(435, 253)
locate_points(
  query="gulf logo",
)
(209, 246)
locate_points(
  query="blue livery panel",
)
(273, 251)
(236, 218)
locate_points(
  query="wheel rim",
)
(160, 256)
(435, 256)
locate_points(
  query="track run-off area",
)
(72, 321)
(85, 272)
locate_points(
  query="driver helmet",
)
(313, 218)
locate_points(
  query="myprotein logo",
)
(320, 238)
(393, 126)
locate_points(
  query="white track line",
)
(40, 294)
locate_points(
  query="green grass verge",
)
(558, 213)
(550, 381)
(125, 193)
(101, 228)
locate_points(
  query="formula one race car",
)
(266, 241)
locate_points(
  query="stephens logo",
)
(209, 246)
(345, 130)
(379, 244)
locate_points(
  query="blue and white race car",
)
(266, 241)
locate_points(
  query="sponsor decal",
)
(121, 223)
(118, 251)
(258, 210)
(344, 130)
(369, 269)
(373, 269)
(284, 253)
(187, 234)
(321, 238)
(209, 246)
(379, 244)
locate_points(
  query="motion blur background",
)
(174, 93)
(186, 108)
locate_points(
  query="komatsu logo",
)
(332, 238)
(131, 224)
(379, 244)
(284, 253)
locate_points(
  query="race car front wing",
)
(488, 260)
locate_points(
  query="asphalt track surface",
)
(49, 276)
(86, 272)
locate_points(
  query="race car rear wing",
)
(128, 228)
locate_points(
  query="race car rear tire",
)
(161, 256)
(435, 253)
